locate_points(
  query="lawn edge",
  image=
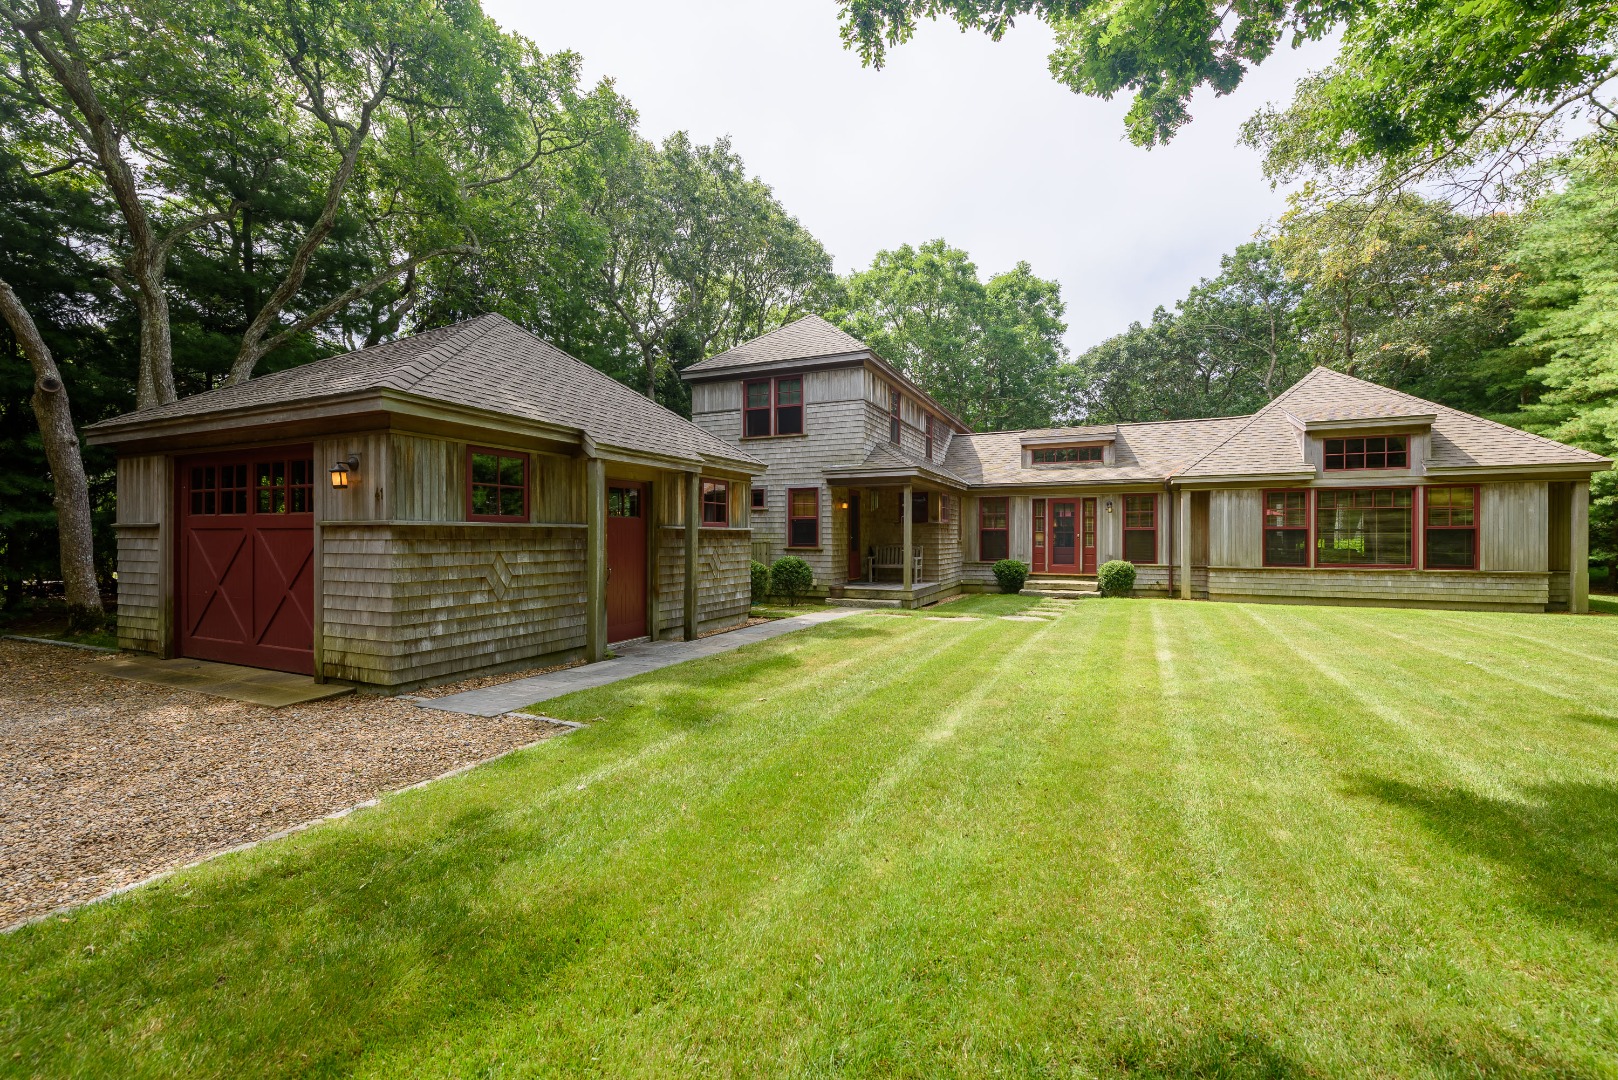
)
(568, 727)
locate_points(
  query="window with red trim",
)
(496, 485)
(895, 400)
(789, 405)
(1140, 529)
(1363, 527)
(803, 517)
(758, 498)
(772, 407)
(994, 533)
(716, 502)
(929, 436)
(1372, 452)
(756, 409)
(1286, 528)
(1452, 528)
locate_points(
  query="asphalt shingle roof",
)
(1145, 451)
(884, 458)
(486, 363)
(809, 337)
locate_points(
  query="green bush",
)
(1011, 573)
(1116, 578)
(791, 577)
(761, 582)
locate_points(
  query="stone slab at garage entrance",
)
(256, 686)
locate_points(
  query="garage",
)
(246, 566)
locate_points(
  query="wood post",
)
(693, 539)
(1578, 567)
(1185, 544)
(907, 514)
(595, 560)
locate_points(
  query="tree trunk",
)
(649, 358)
(70, 489)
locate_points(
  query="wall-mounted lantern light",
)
(843, 505)
(1109, 506)
(343, 472)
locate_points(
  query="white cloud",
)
(958, 137)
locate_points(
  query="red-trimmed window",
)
(803, 517)
(929, 436)
(1452, 528)
(895, 403)
(1286, 528)
(1363, 527)
(1140, 529)
(1372, 452)
(994, 533)
(789, 405)
(1066, 455)
(756, 409)
(716, 503)
(758, 498)
(496, 485)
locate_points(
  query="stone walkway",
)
(631, 660)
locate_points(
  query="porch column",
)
(693, 536)
(1578, 567)
(1185, 544)
(595, 560)
(909, 540)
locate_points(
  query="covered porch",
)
(898, 537)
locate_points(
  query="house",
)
(1338, 491)
(467, 499)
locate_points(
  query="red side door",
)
(1064, 536)
(626, 560)
(1087, 537)
(246, 559)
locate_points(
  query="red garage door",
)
(246, 568)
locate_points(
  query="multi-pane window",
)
(994, 534)
(1066, 455)
(496, 485)
(756, 409)
(895, 403)
(716, 502)
(1373, 452)
(803, 517)
(623, 502)
(1363, 527)
(929, 436)
(789, 405)
(278, 486)
(1140, 528)
(219, 489)
(772, 407)
(1452, 528)
(284, 487)
(1286, 528)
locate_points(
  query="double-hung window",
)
(1372, 452)
(895, 402)
(994, 534)
(1286, 528)
(756, 422)
(1140, 529)
(803, 517)
(1452, 528)
(1363, 527)
(496, 485)
(716, 503)
(772, 407)
(929, 436)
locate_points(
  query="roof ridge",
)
(1253, 419)
(437, 356)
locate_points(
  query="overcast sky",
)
(958, 137)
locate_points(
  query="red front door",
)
(856, 563)
(1064, 536)
(246, 559)
(1087, 537)
(626, 560)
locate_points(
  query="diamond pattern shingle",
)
(486, 363)
(809, 337)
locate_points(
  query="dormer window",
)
(1066, 455)
(1371, 452)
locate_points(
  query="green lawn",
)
(1144, 837)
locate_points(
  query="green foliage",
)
(988, 352)
(1116, 578)
(760, 575)
(1010, 573)
(791, 577)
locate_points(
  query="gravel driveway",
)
(104, 781)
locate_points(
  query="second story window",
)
(929, 436)
(1375, 452)
(772, 407)
(756, 409)
(789, 406)
(895, 402)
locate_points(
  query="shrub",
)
(1011, 573)
(1116, 578)
(791, 577)
(761, 582)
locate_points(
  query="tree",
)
(987, 352)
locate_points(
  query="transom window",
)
(716, 502)
(803, 517)
(1140, 528)
(496, 485)
(1363, 527)
(994, 533)
(1286, 528)
(1371, 452)
(1066, 455)
(772, 407)
(1452, 528)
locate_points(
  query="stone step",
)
(1060, 594)
(853, 602)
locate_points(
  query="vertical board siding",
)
(366, 498)
(1513, 523)
(1236, 528)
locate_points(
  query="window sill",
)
(789, 547)
(765, 438)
